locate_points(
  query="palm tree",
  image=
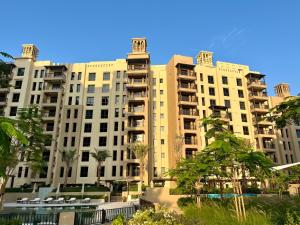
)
(140, 150)
(100, 156)
(68, 157)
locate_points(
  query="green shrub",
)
(181, 191)
(252, 190)
(10, 222)
(21, 190)
(183, 202)
(119, 220)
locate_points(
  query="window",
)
(72, 141)
(153, 81)
(114, 171)
(78, 88)
(162, 116)
(162, 141)
(68, 114)
(244, 117)
(122, 155)
(75, 113)
(42, 73)
(245, 130)
(116, 112)
(50, 127)
(15, 97)
(118, 86)
(86, 141)
(21, 72)
(40, 86)
(242, 106)
(117, 99)
(77, 100)
(85, 156)
(13, 111)
(106, 76)
(226, 91)
(91, 89)
(114, 155)
(18, 84)
(71, 88)
(84, 170)
(116, 126)
(104, 100)
(203, 101)
(239, 82)
(212, 102)
(224, 80)
(227, 103)
(201, 76)
(36, 72)
(210, 79)
(90, 101)
(161, 80)
(102, 171)
(72, 75)
(154, 93)
(104, 114)
(87, 128)
(89, 114)
(121, 171)
(211, 91)
(161, 104)
(70, 101)
(231, 128)
(38, 97)
(92, 76)
(103, 127)
(202, 89)
(74, 127)
(79, 76)
(105, 88)
(102, 141)
(298, 133)
(33, 86)
(20, 171)
(67, 127)
(161, 92)
(115, 140)
(118, 74)
(241, 93)
(26, 172)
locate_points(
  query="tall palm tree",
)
(68, 157)
(140, 150)
(100, 156)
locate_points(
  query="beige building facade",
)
(113, 104)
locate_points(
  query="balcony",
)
(137, 83)
(137, 96)
(190, 142)
(261, 121)
(186, 74)
(259, 108)
(52, 89)
(135, 111)
(264, 133)
(187, 87)
(49, 103)
(258, 96)
(137, 69)
(189, 112)
(55, 77)
(269, 147)
(4, 89)
(256, 85)
(48, 116)
(135, 125)
(187, 100)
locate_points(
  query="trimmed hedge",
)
(14, 190)
(10, 222)
(183, 202)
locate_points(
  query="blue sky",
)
(264, 34)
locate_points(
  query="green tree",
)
(68, 157)
(286, 113)
(141, 151)
(100, 156)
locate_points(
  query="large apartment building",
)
(112, 104)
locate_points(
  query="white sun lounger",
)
(71, 200)
(36, 200)
(48, 200)
(59, 200)
(86, 200)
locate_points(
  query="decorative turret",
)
(138, 45)
(282, 90)
(30, 51)
(205, 58)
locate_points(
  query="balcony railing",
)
(189, 112)
(190, 73)
(136, 124)
(136, 109)
(257, 82)
(188, 126)
(137, 95)
(187, 98)
(262, 94)
(269, 145)
(189, 141)
(137, 81)
(137, 67)
(55, 76)
(187, 86)
(257, 106)
(268, 132)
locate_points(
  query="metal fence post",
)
(103, 216)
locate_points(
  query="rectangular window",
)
(75, 113)
(91, 89)
(74, 127)
(78, 88)
(105, 88)
(21, 72)
(226, 91)
(118, 74)
(68, 114)
(244, 117)
(241, 93)
(245, 130)
(117, 86)
(210, 79)
(79, 76)
(70, 101)
(71, 88)
(90, 101)
(224, 80)
(116, 113)
(239, 82)
(84, 170)
(92, 76)
(106, 76)
(26, 172)
(87, 128)
(114, 155)
(242, 106)
(72, 75)
(114, 171)
(62, 171)
(104, 100)
(77, 100)
(65, 141)
(202, 89)
(38, 97)
(33, 86)
(40, 86)
(42, 73)
(85, 156)
(18, 84)
(36, 72)
(15, 97)
(117, 99)
(116, 126)
(212, 102)
(161, 80)
(20, 171)
(86, 141)
(115, 140)
(67, 127)
(102, 141)
(298, 133)
(227, 103)
(104, 114)
(211, 91)
(13, 111)
(201, 76)
(121, 171)
(89, 114)
(72, 141)
(103, 127)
